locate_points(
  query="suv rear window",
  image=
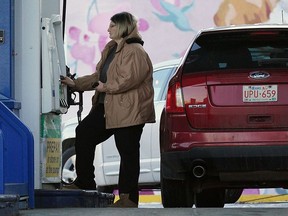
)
(253, 49)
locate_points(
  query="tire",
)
(176, 194)
(212, 198)
(232, 195)
(68, 173)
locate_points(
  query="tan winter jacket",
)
(129, 87)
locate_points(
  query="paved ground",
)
(157, 211)
(150, 204)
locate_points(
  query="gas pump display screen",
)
(1, 36)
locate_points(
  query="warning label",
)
(53, 160)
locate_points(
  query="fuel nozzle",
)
(72, 95)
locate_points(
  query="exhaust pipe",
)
(199, 171)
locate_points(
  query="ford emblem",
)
(259, 75)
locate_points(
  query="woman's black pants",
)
(90, 132)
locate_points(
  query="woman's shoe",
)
(124, 202)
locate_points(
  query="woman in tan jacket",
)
(121, 105)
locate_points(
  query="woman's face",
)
(113, 31)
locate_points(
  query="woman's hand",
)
(100, 87)
(67, 81)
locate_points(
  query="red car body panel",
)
(233, 117)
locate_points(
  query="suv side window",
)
(160, 81)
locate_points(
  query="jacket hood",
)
(134, 40)
(133, 37)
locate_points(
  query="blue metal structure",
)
(16, 156)
(6, 46)
(16, 140)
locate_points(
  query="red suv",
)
(225, 123)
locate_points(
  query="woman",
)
(121, 105)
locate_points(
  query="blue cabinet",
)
(16, 140)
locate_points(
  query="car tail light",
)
(174, 100)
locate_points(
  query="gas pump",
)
(56, 98)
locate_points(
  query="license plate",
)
(260, 93)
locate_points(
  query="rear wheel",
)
(69, 166)
(210, 198)
(176, 193)
(232, 195)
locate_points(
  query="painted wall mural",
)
(167, 27)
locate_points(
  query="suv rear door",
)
(237, 80)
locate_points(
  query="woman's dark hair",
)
(125, 22)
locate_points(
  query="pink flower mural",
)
(80, 50)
